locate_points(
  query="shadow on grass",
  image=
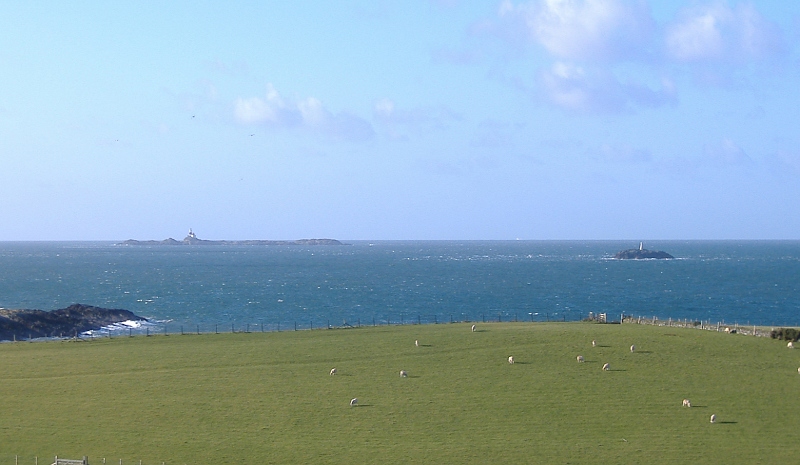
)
(426, 345)
(616, 369)
(727, 422)
(601, 345)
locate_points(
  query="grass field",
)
(268, 397)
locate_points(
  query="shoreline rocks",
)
(75, 319)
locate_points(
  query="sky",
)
(400, 120)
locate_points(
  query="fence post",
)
(232, 328)
(248, 328)
(295, 326)
(181, 335)
(419, 319)
(499, 318)
(216, 328)
(435, 320)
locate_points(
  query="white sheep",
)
(416, 343)
(713, 418)
(687, 403)
(511, 360)
(606, 367)
(333, 371)
(798, 371)
(790, 345)
(354, 401)
(633, 348)
(473, 328)
(580, 358)
(594, 343)
(403, 374)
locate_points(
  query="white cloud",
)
(715, 32)
(402, 123)
(623, 154)
(309, 113)
(575, 88)
(726, 153)
(593, 30)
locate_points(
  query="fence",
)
(719, 326)
(56, 460)
(154, 329)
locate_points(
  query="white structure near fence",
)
(83, 461)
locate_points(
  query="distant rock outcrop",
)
(75, 319)
(192, 239)
(641, 253)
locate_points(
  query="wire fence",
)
(56, 459)
(151, 328)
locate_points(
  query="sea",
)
(275, 288)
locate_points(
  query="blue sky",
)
(547, 119)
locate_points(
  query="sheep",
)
(416, 343)
(511, 360)
(473, 328)
(333, 371)
(687, 403)
(354, 401)
(580, 358)
(798, 371)
(594, 343)
(633, 348)
(713, 418)
(790, 345)
(403, 374)
(606, 367)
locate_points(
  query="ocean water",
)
(276, 287)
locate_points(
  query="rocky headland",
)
(66, 322)
(192, 239)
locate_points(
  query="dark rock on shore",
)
(192, 239)
(75, 319)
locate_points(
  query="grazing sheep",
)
(713, 418)
(473, 328)
(687, 403)
(790, 345)
(333, 371)
(594, 343)
(416, 343)
(606, 367)
(580, 358)
(511, 360)
(354, 401)
(403, 374)
(798, 371)
(633, 348)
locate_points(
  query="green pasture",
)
(268, 397)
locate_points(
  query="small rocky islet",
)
(192, 239)
(641, 254)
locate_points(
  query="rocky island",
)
(641, 253)
(66, 322)
(192, 239)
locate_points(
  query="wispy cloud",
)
(588, 42)
(597, 89)
(717, 33)
(274, 111)
(402, 123)
(590, 30)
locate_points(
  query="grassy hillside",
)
(268, 398)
